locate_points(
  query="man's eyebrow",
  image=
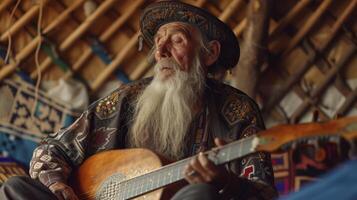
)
(177, 29)
(182, 29)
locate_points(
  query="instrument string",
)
(128, 190)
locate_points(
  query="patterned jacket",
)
(104, 125)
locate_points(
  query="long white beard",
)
(163, 112)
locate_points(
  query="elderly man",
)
(178, 113)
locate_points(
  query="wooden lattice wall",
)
(311, 49)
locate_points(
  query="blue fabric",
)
(340, 183)
(19, 149)
(99, 50)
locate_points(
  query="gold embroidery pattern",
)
(236, 110)
(249, 131)
(107, 106)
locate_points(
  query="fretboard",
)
(174, 172)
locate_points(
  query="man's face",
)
(175, 41)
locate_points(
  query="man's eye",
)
(177, 39)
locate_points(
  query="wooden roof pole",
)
(20, 23)
(289, 17)
(200, 3)
(305, 29)
(102, 8)
(25, 52)
(115, 62)
(139, 70)
(310, 60)
(323, 85)
(105, 36)
(8, 69)
(62, 17)
(5, 4)
(337, 25)
(238, 30)
(76, 33)
(227, 13)
(331, 74)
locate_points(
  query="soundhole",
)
(110, 188)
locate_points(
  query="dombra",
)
(141, 174)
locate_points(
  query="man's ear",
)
(214, 51)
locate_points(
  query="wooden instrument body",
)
(129, 163)
(133, 164)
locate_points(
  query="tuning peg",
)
(313, 142)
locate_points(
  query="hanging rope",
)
(39, 22)
(9, 35)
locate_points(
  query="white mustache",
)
(167, 63)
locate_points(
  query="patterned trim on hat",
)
(163, 12)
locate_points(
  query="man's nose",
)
(163, 50)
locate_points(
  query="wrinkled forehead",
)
(180, 27)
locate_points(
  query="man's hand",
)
(63, 191)
(202, 170)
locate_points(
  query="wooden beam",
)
(140, 70)
(315, 94)
(62, 17)
(103, 7)
(238, 30)
(292, 14)
(311, 59)
(24, 53)
(115, 62)
(200, 3)
(5, 4)
(337, 25)
(20, 23)
(306, 28)
(104, 37)
(229, 10)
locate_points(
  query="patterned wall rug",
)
(22, 125)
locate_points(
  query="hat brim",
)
(163, 12)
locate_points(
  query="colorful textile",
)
(295, 168)
(19, 132)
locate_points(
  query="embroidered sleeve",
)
(256, 173)
(92, 132)
(52, 160)
(256, 178)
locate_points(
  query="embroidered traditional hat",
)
(163, 12)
